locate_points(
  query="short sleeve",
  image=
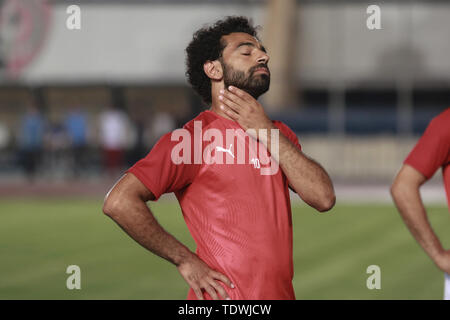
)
(159, 173)
(288, 133)
(432, 150)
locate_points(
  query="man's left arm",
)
(306, 177)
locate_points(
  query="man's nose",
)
(263, 58)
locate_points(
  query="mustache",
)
(261, 65)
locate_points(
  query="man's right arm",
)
(126, 204)
(406, 194)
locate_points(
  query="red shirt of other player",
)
(432, 152)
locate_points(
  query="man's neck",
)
(215, 107)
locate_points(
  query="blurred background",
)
(78, 107)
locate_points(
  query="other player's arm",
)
(126, 204)
(306, 177)
(405, 191)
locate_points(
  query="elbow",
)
(398, 193)
(327, 203)
(107, 207)
(110, 206)
(396, 189)
(402, 190)
(393, 191)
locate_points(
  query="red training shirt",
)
(432, 151)
(240, 219)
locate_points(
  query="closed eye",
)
(246, 54)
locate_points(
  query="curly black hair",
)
(206, 45)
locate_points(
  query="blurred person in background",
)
(56, 148)
(31, 140)
(139, 147)
(145, 136)
(239, 218)
(162, 123)
(5, 143)
(76, 128)
(431, 152)
(5, 136)
(114, 138)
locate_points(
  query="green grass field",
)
(40, 238)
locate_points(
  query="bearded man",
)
(235, 201)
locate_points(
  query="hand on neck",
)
(216, 103)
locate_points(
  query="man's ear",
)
(213, 69)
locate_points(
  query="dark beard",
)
(255, 85)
